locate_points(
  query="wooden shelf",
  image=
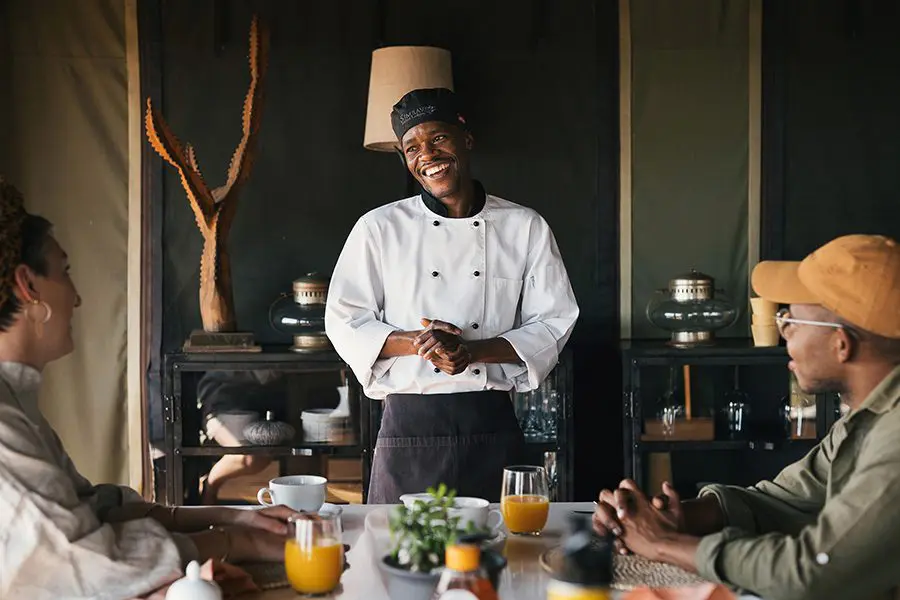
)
(351, 449)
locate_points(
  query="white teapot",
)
(193, 587)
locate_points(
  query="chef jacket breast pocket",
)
(503, 302)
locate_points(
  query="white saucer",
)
(328, 508)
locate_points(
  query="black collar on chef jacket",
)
(438, 207)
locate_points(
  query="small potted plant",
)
(420, 535)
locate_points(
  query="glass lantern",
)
(690, 310)
(302, 314)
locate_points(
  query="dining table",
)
(523, 578)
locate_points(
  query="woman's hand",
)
(249, 545)
(273, 519)
(236, 544)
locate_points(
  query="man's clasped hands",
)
(660, 527)
(441, 344)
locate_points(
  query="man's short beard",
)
(430, 191)
(825, 386)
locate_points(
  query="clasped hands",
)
(639, 524)
(441, 344)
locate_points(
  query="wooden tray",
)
(698, 429)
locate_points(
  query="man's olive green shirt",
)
(828, 526)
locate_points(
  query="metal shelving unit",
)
(183, 423)
(641, 360)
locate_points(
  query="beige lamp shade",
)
(397, 70)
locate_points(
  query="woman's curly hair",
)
(22, 241)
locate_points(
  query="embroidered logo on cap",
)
(417, 113)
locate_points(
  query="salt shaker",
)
(193, 587)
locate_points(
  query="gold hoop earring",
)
(48, 312)
(39, 323)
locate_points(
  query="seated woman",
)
(61, 536)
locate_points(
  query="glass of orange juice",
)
(525, 499)
(314, 557)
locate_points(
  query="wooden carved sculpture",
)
(214, 209)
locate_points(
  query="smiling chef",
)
(442, 304)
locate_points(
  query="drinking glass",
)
(552, 476)
(550, 410)
(525, 499)
(314, 557)
(736, 414)
(531, 420)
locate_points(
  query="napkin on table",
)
(706, 591)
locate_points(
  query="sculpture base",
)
(205, 341)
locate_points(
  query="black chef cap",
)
(421, 106)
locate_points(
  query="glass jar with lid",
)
(302, 314)
(690, 310)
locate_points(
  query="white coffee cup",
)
(476, 511)
(299, 492)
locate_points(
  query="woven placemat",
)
(267, 575)
(631, 571)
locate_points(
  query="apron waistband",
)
(448, 415)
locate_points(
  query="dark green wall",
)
(540, 107)
(833, 132)
(540, 82)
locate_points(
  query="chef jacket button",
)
(475, 223)
(436, 223)
(822, 558)
(434, 273)
(474, 325)
(436, 370)
(477, 371)
(476, 273)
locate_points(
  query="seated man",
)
(827, 526)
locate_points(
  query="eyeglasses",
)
(783, 318)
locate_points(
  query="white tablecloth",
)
(523, 578)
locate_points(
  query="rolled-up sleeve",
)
(786, 504)
(849, 550)
(52, 544)
(548, 311)
(354, 307)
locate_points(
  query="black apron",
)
(463, 440)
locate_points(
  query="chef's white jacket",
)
(498, 273)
